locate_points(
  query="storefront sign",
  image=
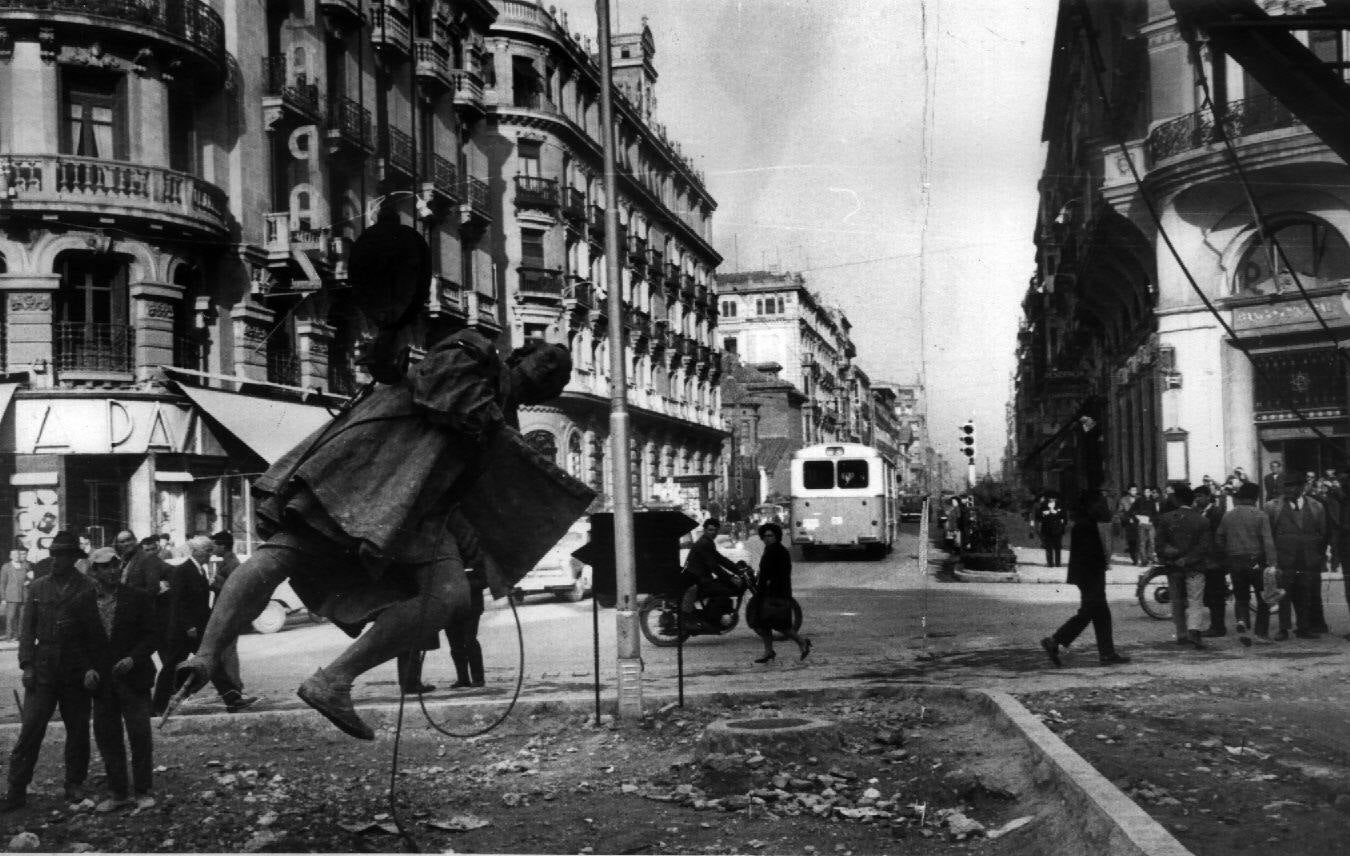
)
(1294, 312)
(102, 426)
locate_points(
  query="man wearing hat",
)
(52, 676)
(112, 634)
(1298, 524)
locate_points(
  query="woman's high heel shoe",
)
(806, 648)
(767, 657)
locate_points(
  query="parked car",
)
(558, 573)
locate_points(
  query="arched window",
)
(1308, 247)
(574, 455)
(544, 443)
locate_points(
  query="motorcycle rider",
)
(713, 573)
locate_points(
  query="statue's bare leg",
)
(399, 628)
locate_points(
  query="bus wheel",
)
(876, 551)
(810, 553)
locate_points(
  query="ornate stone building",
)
(541, 138)
(180, 194)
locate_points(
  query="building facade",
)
(773, 317)
(541, 137)
(1116, 327)
(181, 198)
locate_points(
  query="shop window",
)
(1310, 248)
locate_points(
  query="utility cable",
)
(1098, 70)
(1274, 249)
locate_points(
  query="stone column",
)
(153, 305)
(28, 323)
(251, 324)
(315, 338)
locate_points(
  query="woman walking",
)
(1088, 560)
(1052, 530)
(773, 594)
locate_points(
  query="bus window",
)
(853, 474)
(818, 475)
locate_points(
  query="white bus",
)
(843, 496)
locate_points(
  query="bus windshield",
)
(825, 475)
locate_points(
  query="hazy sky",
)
(810, 121)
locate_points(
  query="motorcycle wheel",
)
(649, 620)
(1155, 596)
(779, 635)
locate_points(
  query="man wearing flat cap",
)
(1299, 526)
(112, 635)
(51, 674)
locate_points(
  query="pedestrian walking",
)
(112, 632)
(1216, 576)
(1273, 482)
(1246, 547)
(465, 652)
(51, 676)
(1298, 526)
(1089, 559)
(1184, 546)
(1125, 520)
(773, 595)
(1052, 524)
(1145, 516)
(14, 590)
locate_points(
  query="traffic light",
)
(966, 440)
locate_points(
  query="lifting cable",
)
(1098, 66)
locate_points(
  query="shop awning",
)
(267, 426)
(6, 397)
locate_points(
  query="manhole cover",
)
(773, 722)
(786, 733)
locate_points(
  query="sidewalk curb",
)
(1110, 823)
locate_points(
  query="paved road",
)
(877, 621)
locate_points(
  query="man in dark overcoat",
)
(1298, 525)
(51, 675)
(112, 632)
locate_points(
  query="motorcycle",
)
(1153, 592)
(714, 615)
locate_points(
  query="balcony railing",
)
(654, 258)
(401, 150)
(191, 22)
(574, 204)
(579, 291)
(349, 124)
(283, 367)
(79, 347)
(285, 234)
(444, 177)
(535, 192)
(637, 248)
(59, 183)
(1197, 130)
(296, 93)
(468, 88)
(389, 27)
(672, 275)
(540, 281)
(433, 63)
(596, 220)
(477, 202)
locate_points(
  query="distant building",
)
(773, 317)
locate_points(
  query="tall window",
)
(728, 309)
(94, 112)
(182, 130)
(525, 82)
(91, 332)
(532, 248)
(1316, 252)
(527, 158)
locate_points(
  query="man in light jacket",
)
(1245, 541)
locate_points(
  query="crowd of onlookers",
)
(90, 623)
(1266, 543)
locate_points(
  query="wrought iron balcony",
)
(349, 126)
(191, 30)
(285, 235)
(596, 220)
(1197, 130)
(654, 259)
(468, 89)
(433, 64)
(536, 282)
(672, 275)
(574, 204)
(343, 12)
(579, 292)
(79, 347)
(477, 204)
(62, 185)
(686, 346)
(401, 151)
(389, 27)
(444, 179)
(535, 192)
(637, 249)
(687, 290)
(283, 367)
(283, 93)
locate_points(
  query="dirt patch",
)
(1231, 767)
(906, 778)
